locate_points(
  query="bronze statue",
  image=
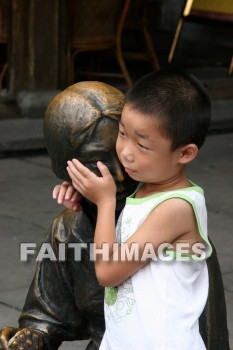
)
(65, 301)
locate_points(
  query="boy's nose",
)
(127, 155)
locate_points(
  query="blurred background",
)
(46, 45)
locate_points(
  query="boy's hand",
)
(97, 189)
(67, 195)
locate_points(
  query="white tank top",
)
(158, 307)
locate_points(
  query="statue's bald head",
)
(73, 116)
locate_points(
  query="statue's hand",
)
(5, 335)
(20, 339)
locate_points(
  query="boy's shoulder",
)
(184, 200)
(176, 205)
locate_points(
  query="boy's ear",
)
(188, 153)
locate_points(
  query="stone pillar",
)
(37, 46)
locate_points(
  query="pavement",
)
(27, 208)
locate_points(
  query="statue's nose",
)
(118, 171)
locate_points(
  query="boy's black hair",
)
(178, 100)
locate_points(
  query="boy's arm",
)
(171, 221)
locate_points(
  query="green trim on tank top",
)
(132, 200)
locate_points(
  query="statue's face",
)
(101, 146)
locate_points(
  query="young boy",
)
(153, 303)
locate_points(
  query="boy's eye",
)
(142, 146)
(121, 132)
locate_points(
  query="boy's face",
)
(144, 153)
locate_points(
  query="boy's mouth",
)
(129, 171)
